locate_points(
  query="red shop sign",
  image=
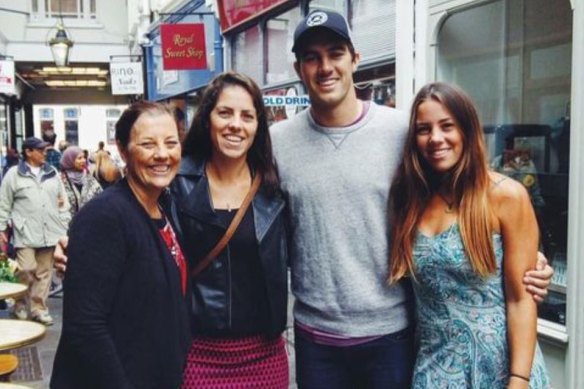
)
(234, 12)
(183, 46)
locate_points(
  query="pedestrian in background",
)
(53, 155)
(12, 158)
(63, 144)
(32, 197)
(465, 236)
(105, 171)
(239, 298)
(125, 309)
(79, 185)
(100, 148)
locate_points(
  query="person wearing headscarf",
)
(80, 187)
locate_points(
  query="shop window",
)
(376, 84)
(515, 62)
(3, 135)
(72, 125)
(111, 117)
(247, 54)
(370, 20)
(280, 35)
(73, 9)
(46, 119)
(18, 130)
(18, 122)
(284, 103)
(339, 6)
(46, 113)
(3, 118)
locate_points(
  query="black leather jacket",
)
(200, 230)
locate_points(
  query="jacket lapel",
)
(171, 271)
(265, 211)
(197, 203)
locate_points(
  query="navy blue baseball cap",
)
(322, 19)
(33, 143)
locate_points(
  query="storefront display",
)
(520, 81)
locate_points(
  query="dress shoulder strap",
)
(496, 183)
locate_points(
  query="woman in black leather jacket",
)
(239, 300)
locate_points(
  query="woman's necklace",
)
(449, 204)
(226, 195)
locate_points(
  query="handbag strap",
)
(202, 265)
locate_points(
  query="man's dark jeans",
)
(385, 363)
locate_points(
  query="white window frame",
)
(43, 10)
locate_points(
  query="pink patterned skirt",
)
(241, 363)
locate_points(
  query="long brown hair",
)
(468, 181)
(198, 140)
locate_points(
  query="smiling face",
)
(233, 124)
(326, 66)
(152, 154)
(439, 138)
(80, 162)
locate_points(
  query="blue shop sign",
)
(290, 101)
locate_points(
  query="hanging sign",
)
(7, 85)
(126, 78)
(233, 13)
(183, 46)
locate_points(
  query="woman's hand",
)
(517, 383)
(538, 280)
(60, 256)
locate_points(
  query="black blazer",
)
(212, 306)
(125, 320)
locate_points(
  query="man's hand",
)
(60, 256)
(537, 281)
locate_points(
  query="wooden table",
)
(11, 289)
(19, 333)
(8, 385)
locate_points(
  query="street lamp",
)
(60, 45)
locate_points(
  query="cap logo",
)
(316, 19)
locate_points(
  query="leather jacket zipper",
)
(230, 287)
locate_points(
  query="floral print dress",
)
(461, 319)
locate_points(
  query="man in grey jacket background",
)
(32, 198)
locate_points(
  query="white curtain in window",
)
(373, 26)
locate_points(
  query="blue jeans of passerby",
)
(385, 363)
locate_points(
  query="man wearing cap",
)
(336, 161)
(33, 199)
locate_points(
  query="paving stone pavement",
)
(48, 346)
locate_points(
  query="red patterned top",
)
(169, 238)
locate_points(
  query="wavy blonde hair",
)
(104, 168)
(468, 181)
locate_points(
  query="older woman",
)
(125, 316)
(79, 186)
(239, 298)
